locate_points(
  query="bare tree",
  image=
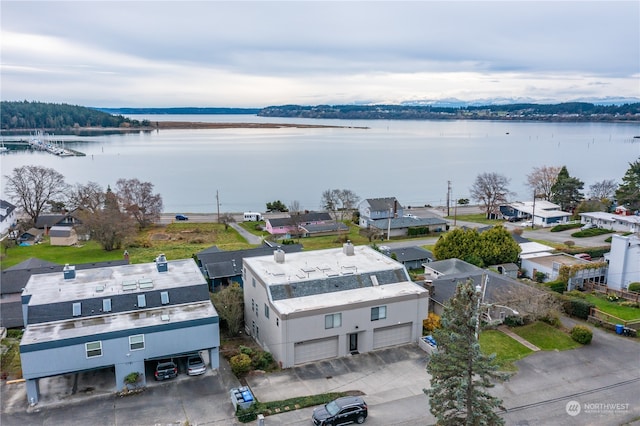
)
(603, 190)
(227, 219)
(294, 207)
(33, 187)
(89, 197)
(490, 189)
(339, 201)
(139, 201)
(107, 224)
(542, 179)
(229, 304)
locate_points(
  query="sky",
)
(258, 54)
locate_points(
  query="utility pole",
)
(218, 204)
(448, 196)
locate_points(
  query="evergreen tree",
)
(566, 191)
(498, 246)
(628, 193)
(459, 371)
(460, 244)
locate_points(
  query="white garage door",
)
(390, 336)
(314, 350)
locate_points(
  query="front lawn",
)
(507, 350)
(546, 337)
(626, 313)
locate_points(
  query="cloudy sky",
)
(256, 54)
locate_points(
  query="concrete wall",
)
(624, 261)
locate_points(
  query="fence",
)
(602, 288)
(610, 321)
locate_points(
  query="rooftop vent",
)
(69, 272)
(348, 249)
(278, 255)
(161, 263)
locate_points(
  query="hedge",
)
(575, 307)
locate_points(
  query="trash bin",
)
(619, 328)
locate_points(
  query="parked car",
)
(195, 365)
(166, 370)
(182, 217)
(585, 256)
(526, 224)
(588, 226)
(348, 409)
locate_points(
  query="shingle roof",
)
(325, 227)
(380, 204)
(301, 219)
(407, 222)
(408, 254)
(6, 206)
(222, 264)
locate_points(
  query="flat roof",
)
(562, 258)
(127, 321)
(111, 280)
(348, 297)
(312, 265)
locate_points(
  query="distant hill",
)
(571, 111)
(181, 110)
(50, 116)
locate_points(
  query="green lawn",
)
(507, 350)
(477, 218)
(626, 313)
(546, 337)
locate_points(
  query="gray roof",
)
(335, 284)
(223, 264)
(5, 205)
(408, 254)
(383, 204)
(325, 227)
(454, 267)
(407, 222)
(60, 231)
(301, 219)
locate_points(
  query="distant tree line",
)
(181, 110)
(50, 116)
(570, 111)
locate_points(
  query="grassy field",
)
(626, 313)
(546, 337)
(176, 241)
(507, 350)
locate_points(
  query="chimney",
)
(278, 255)
(347, 248)
(69, 272)
(161, 263)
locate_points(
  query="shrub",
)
(132, 378)
(569, 243)
(635, 287)
(240, 364)
(576, 307)
(246, 350)
(557, 286)
(430, 323)
(564, 227)
(612, 298)
(514, 321)
(262, 360)
(576, 293)
(551, 318)
(630, 304)
(581, 334)
(540, 277)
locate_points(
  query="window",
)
(93, 349)
(378, 313)
(277, 322)
(333, 321)
(142, 301)
(257, 332)
(266, 310)
(106, 305)
(253, 281)
(136, 342)
(164, 297)
(253, 305)
(77, 309)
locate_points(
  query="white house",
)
(373, 209)
(541, 212)
(551, 263)
(322, 304)
(624, 261)
(8, 216)
(614, 222)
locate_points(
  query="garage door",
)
(314, 350)
(390, 336)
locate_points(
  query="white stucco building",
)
(322, 304)
(624, 261)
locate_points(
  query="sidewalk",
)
(503, 328)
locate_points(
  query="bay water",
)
(241, 169)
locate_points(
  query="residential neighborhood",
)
(119, 319)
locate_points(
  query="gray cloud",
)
(268, 50)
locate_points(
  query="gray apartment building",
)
(122, 317)
(322, 304)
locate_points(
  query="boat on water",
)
(39, 143)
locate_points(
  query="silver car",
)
(195, 365)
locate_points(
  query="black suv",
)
(166, 370)
(349, 409)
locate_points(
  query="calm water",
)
(411, 160)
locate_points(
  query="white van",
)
(252, 217)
